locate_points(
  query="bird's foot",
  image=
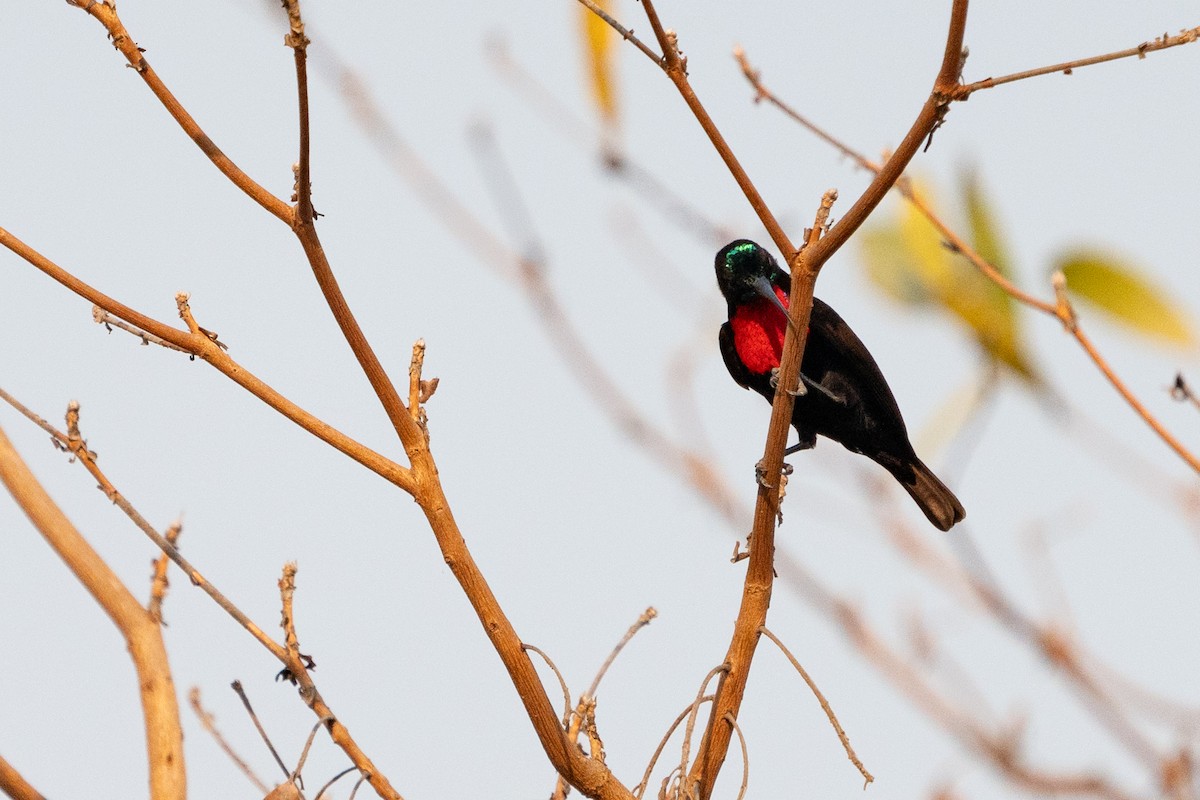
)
(800, 389)
(760, 475)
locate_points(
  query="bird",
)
(842, 395)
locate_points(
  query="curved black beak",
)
(763, 287)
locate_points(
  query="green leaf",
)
(1126, 294)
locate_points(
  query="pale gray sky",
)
(576, 528)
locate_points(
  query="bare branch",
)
(13, 784)
(833, 720)
(562, 682)
(1061, 308)
(640, 789)
(159, 582)
(732, 722)
(105, 11)
(296, 40)
(262, 732)
(805, 266)
(626, 33)
(143, 636)
(642, 621)
(74, 443)
(1186, 36)
(102, 317)
(209, 723)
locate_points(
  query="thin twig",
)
(642, 621)
(675, 66)
(208, 722)
(102, 317)
(296, 663)
(805, 266)
(626, 33)
(414, 379)
(586, 708)
(312, 735)
(142, 635)
(1061, 309)
(600, 384)
(754, 76)
(685, 749)
(659, 194)
(1066, 314)
(406, 428)
(60, 439)
(729, 718)
(159, 582)
(73, 442)
(828, 709)
(197, 343)
(1186, 36)
(241, 693)
(296, 40)
(640, 789)
(562, 682)
(105, 11)
(334, 780)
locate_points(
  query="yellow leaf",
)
(985, 238)
(600, 42)
(909, 262)
(1126, 294)
(887, 267)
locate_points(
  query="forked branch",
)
(73, 442)
(142, 633)
(1186, 36)
(1061, 308)
(805, 265)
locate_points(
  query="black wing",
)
(837, 359)
(737, 370)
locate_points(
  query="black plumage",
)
(847, 399)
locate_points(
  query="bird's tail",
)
(935, 499)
